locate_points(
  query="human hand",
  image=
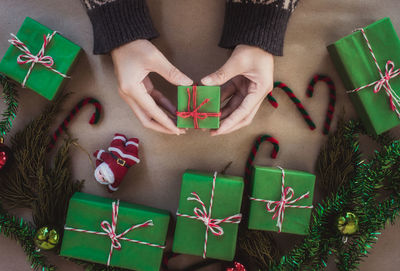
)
(132, 64)
(247, 78)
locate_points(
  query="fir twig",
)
(32, 181)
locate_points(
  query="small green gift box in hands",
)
(198, 107)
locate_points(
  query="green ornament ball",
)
(46, 238)
(348, 224)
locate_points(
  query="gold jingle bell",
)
(348, 224)
(46, 239)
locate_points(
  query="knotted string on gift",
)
(389, 74)
(39, 58)
(278, 207)
(212, 224)
(194, 113)
(110, 231)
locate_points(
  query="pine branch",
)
(33, 181)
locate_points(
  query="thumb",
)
(171, 73)
(229, 70)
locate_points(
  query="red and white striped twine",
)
(212, 224)
(109, 230)
(390, 73)
(40, 58)
(285, 202)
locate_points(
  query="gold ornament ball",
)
(46, 239)
(348, 224)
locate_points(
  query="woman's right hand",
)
(132, 64)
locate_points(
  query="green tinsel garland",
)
(23, 232)
(359, 190)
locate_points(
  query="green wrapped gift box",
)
(46, 76)
(357, 68)
(191, 229)
(198, 107)
(143, 250)
(266, 187)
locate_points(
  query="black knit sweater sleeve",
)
(117, 22)
(260, 23)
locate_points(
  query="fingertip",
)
(186, 81)
(207, 81)
(214, 133)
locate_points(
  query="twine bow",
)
(109, 230)
(389, 74)
(278, 207)
(195, 114)
(212, 224)
(39, 58)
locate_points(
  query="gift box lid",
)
(212, 106)
(190, 233)
(87, 211)
(42, 80)
(266, 184)
(357, 68)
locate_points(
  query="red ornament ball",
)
(5, 156)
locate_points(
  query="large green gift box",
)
(140, 249)
(198, 107)
(357, 68)
(44, 78)
(266, 187)
(191, 229)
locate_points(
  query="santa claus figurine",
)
(113, 164)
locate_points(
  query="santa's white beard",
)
(103, 174)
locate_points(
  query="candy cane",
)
(332, 98)
(295, 100)
(63, 126)
(254, 150)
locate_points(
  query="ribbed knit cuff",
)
(255, 24)
(120, 22)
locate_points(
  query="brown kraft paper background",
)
(190, 31)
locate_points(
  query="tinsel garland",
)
(23, 232)
(357, 187)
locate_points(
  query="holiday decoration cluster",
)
(226, 220)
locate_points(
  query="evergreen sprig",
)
(23, 232)
(10, 98)
(32, 181)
